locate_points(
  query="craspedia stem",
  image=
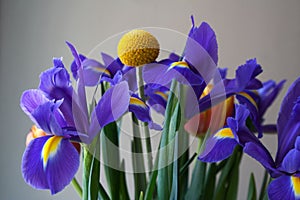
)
(138, 47)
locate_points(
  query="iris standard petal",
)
(219, 147)
(50, 162)
(56, 84)
(31, 100)
(113, 104)
(284, 188)
(291, 161)
(286, 109)
(206, 37)
(75, 67)
(45, 117)
(287, 138)
(268, 94)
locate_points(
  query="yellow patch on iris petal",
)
(137, 102)
(296, 185)
(99, 69)
(180, 64)
(163, 95)
(138, 47)
(247, 96)
(224, 133)
(50, 148)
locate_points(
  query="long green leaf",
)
(164, 178)
(196, 189)
(111, 157)
(210, 181)
(233, 179)
(263, 189)
(175, 181)
(91, 170)
(252, 188)
(137, 159)
(123, 185)
(222, 185)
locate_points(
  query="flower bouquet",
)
(83, 122)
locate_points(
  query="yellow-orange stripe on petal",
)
(247, 96)
(99, 69)
(137, 102)
(162, 95)
(296, 185)
(50, 148)
(180, 64)
(224, 133)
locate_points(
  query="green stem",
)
(77, 187)
(141, 92)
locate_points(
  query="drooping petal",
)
(219, 147)
(157, 97)
(113, 104)
(189, 77)
(93, 71)
(50, 162)
(139, 108)
(285, 187)
(257, 151)
(163, 72)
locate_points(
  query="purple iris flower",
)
(60, 114)
(285, 170)
(196, 65)
(117, 100)
(49, 161)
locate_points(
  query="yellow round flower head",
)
(138, 47)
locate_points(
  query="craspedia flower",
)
(138, 47)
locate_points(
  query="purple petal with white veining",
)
(217, 149)
(113, 104)
(62, 167)
(31, 100)
(286, 109)
(45, 117)
(32, 164)
(282, 188)
(206, 37)
(62, 164)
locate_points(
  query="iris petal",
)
(284, 187)
(62, 164)
(219, 147)
(113, 104)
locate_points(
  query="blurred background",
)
(32, 32)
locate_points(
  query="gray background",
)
(32, 32)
